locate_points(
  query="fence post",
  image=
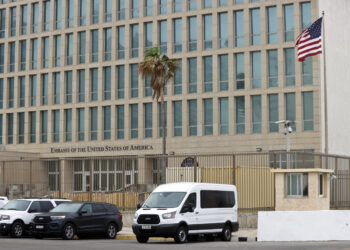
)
(336, 186)
(123, 183)
(90, 180)
(234, 169)
(195, 168)
(59, 178)
(3, 178)
(30, 179)
(158, 171)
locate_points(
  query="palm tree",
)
(160, 68)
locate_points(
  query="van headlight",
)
(5, 217)
(57, 217)
(169, 215)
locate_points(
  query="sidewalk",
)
(244, 234)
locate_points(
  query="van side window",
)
(216, 199)
(191, 199)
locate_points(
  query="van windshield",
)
(164, 200)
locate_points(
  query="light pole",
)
(287, 129)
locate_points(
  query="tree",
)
(161, 69)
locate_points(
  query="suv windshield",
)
(164, 200)
(19, 205)
(67, 208)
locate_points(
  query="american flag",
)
(309, 42)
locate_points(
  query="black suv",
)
(81, 218)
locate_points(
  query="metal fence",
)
(127, 181)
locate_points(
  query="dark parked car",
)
(80, 218)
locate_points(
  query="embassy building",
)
(69, 85)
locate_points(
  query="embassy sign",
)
(107, 148)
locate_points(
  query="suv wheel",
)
(111, 231)
(181, 235)
(68, 231)
(226, 233)
(142, 239)
(17, 230)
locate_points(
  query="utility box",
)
(302, 189)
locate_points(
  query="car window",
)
(45, 206)
(191, 199)
(35, 206)
(98, 208)
(112, 208)
(87, 208)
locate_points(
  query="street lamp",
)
(287, 129)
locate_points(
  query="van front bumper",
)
(164, 230)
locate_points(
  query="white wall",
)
(304, 225)
(337, 38)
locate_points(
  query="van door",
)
(189, 211)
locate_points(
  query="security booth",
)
(302, 189)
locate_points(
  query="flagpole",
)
(325, 87)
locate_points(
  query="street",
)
(94, 244)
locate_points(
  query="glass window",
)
(81, 124)
(24, 16)
(223, 115)
(320, 185)
(2, 57)
(93, 123)
(81, 85)
(239, 28)
(148, 89)
(46, 15)
(82, 46)
(178, 79)
(56, 126)
(121, 9)
(273, 112)
(46, 51)
(177, 35)
(56, 88)
(120, 81)
(148, 35)
(58, 14)
(1, 93)
(297, 185)
(2, 22)
(305, 14)
(255, 26)
(33, 90)
(13, 18)
(240, 115)
(11, 92)
(289, 66)
(9, 128)
(34, 63)
(82, 12)
(35, 17)
(0, 128)
(192, 75)
(149, 7)
(192, 4)
(134, 115)
(148, 120)
(239, 62)
(70, 13)
(307, 71)
(208, 73)
(223, 3)
(22, 91)
(94, 45)
(207, 4)
(107, 83)
(223, 72)
(121, 42)
(272, 68)
(43, 126)
(57, 50)
(69, 86)
(160, 119)
(163, 36)
(272, 25)
(192, 117)
(93, 84)
(44, 89)
(32, 127)
(69, 51)
(290, 112)
(256, 114)
(135, 8)
(177, 5)
(107, 123)
(163, 6)
(21, 124)
(208, 116)
(135, 40)
(108, 10)
(95, 11)
(288, 14)
(120, 121)
(107, 44)
(256, 69)
(12, 48)
(308, 111)
(177, 105)
(208, 32)
(223, 30)
(192, 33)
(134, 79)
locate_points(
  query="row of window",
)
(88, 129)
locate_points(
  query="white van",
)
(185, 210)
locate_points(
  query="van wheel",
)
(68, 232)
(181, 235)
(226, 233)
(17, 230)
(142, 239)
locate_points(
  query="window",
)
(192, 4)
(34, 64)
(192, 33)
(57, 50)
(108, 10)
(82, 12)
(297, 185)
(134, 80)
(307, 71)
(163, 36)
(12, 49)
(81, 85)
(53, 174)
(24, 16)
(56, 87)
(134, 40)
(177, 5)
(120, 81)
(58, 14)
(22, 91)
(208, 32)
(93, 123)
(255, 26)
(239, 28)
(149, 8)
(21, 128)
(160, 119)
(11, 92)
(121, 9)
(1, 93)
(81, 124)
(35, 17)
(93, 84)
(44, 89)
(207, 4)
(163, 6)
(94, 11)
(107, 83)
(192, 75)
(217, 199)
(134, 121)
(223, 115)
(13, 21)
(256, 114)
(135, 8)
(70, 13)
(32, 127)
(46, 49)
(1, 126)
(289, 67)
(272, 68)
(223, 3)
(240, 115)
(148, 120)
(256, 69)
(33, 90)
(177, 105)
(271, 25)
(223, 72)
(208, 73)
(2, 22)
(177, 35)
(288, 14)
(290, 112)
(305, 15)
(107, 123)
(320, 185)
(121, 42)
(208, 116)
(148, 89)
(178, 79)
(46, 15)
(2, 57)
(192, 117)
(148, 35)
(120, 121)
(308, 111)
(43, 126)
(94, 45)
(273, 112)
(239, 63)
(82, 46)
(56, 126)
(68, 124)
(69, 50)
(69, 86)
(223, 30)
